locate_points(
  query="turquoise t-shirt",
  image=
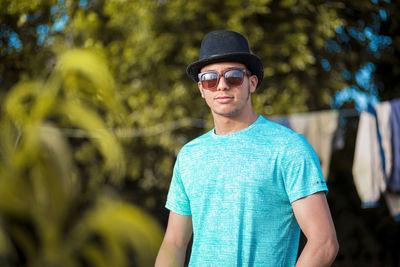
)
(238, 188)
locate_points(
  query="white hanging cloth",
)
(319, 129)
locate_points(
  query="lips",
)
(223, 99)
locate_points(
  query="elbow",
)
(327, 249)
(336, 248)
(331, 249)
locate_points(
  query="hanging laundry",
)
(319, 129)
(383, 113)
(368, 173)
(394, 178)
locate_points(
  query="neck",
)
(226, 125)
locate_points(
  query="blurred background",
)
(95, 105)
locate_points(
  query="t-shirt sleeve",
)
(301, 169)
(177, 199)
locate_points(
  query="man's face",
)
(227, 100)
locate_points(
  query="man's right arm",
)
(177, 236)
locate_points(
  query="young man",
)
(245, 188)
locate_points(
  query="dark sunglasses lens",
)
(234, 77)
(209, 80)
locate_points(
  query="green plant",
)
(54, 209)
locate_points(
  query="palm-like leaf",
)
(44, 212)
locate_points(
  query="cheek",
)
(208, 99)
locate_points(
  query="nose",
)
(222, 84)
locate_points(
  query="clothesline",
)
(173, 125)
(143, 132)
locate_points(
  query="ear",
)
(253, 83)
(201, 89)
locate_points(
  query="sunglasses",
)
(234, 77)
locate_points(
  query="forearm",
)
(314, 218)
(170, 256)
(316, 254)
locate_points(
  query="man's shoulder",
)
(271, 129)
(281, 135)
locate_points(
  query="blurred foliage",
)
(52, 213)
(150, 43)
(152, 107)
(388, 64)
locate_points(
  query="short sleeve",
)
(301, 169)
(177, 200)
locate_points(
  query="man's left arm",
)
(314, 218)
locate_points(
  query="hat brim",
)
(252, 62)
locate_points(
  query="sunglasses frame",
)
(222, 74)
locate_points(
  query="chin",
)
(227, 113)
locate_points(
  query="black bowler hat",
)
(226, 46)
